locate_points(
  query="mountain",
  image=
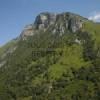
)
(55, 58)
(54, 23)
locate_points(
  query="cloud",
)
(95, 16)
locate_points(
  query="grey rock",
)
(77, 41)
(44, 20)
(28, 31)
(54, 23)
(75, 24)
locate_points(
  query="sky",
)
(16, 14)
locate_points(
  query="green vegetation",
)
(6, 47)
(52, 67)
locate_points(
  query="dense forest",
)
(49, 66)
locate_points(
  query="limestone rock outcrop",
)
(54, 23)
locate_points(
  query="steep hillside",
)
(55, 58)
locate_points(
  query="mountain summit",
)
(56, 23)
(55, 58)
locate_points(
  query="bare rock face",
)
(54, 23)
(75, 24)
(44, 20)
(28, 31)
(59, 22)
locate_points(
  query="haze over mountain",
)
(56, 57)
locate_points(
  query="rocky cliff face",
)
(28, 31)
(44, 20)
(55, 23)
